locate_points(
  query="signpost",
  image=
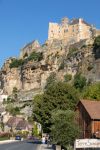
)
(87, 143)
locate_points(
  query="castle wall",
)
(70, 31)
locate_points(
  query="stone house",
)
(23, 125)
(12, 123)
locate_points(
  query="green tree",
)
(97, 42)
(15, 94)
(12, 110)
(35, 130)
(79, 81)
(92, 91)
(67, 77)
(16, 63)
(57, 96)
(50, 80)
(64, 129)
(36, 56)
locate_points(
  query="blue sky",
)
(22, 21)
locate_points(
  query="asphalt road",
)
(19, 146)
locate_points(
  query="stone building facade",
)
(29, 48)
(72, 31)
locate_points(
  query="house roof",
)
(92, 108)
(23, 124)
(13, 121)
(76, 21)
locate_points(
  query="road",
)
(19, 146)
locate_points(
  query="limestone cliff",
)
(58, 57)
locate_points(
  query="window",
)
(66, 30)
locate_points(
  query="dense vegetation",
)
(16, 63)
(97, 42)
(96, 49)
(36, 56)
(55, 108)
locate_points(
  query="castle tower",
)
(64, 21)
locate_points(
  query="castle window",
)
(66, 30)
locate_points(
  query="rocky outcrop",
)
(59, 57)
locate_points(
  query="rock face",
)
(58, 57)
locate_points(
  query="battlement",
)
(71, 30)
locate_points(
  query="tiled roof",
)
(76, 21)
(13, 121)
(23, 124)
(92, 107)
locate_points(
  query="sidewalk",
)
(45, 147)
(7, 141)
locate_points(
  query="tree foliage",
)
(16, 63)
(13, 110)
(79, 81)
(50, 80)
(92, 92)
(57, 96)
(67, 77)
(64, 129)
(36, 56)
(97, 42)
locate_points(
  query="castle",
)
(72, 31)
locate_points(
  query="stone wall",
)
(73, 31)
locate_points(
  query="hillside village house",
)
(16, 123)
(89, 118)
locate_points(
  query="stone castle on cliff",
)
(72, 31)
(69, 31)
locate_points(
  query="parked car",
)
(18, 137)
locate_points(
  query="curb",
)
(7, 141)
(45, 147)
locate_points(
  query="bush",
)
(67, 77)
(97, 42)
(79, 81)
(4, 134)
(61, 67)
(16, 63)
(35, 56)
(72, 51)
(23, 134)
(90, 67)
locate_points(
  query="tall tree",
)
(64, 129)
(58, 96)
(79, 81)
(92, 92)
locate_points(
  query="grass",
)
(4, 138)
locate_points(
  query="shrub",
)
(90, 67)
(61, 67)
(97, 42)
(16, 63)
(84, 46)
(67, 77)
(79, 81)
(35, 56)
(72, 51)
